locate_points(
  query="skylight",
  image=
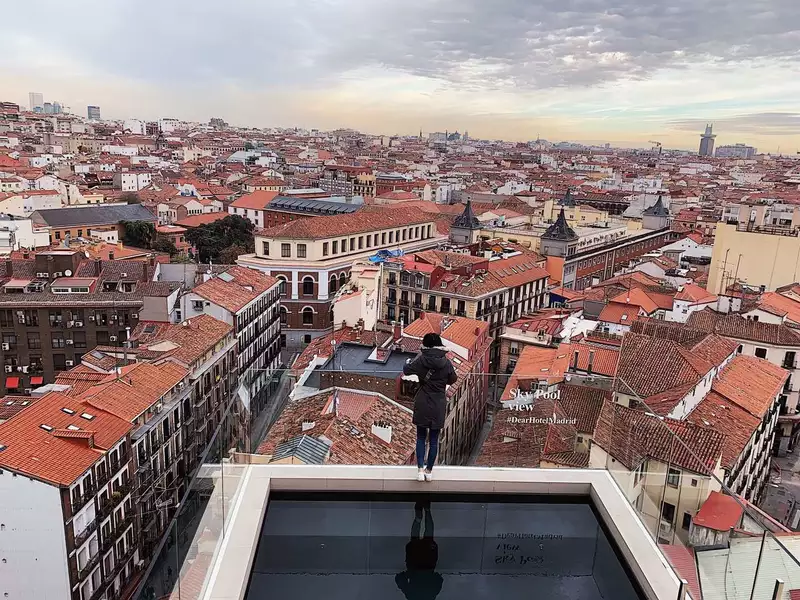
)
(69, 411)
(87, 416)
(226, 276)
(46, 427)
(73, 428)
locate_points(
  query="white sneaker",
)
(428, 475)
(421, 475)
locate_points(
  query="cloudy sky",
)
(623, 71)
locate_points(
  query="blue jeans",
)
(431, 436)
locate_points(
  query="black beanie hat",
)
(432, 340)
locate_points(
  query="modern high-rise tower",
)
(707, 142)
(93, 112)
(35, 100)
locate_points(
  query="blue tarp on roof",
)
(384, 255)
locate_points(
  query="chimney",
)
(110, 256)
(591, 361)
(145, 272)
(98, 267)
(382, 430)
(119, 245)
(9, 267)
(397, 331)
(25, 253)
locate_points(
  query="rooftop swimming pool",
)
(422, 546)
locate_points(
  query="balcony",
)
(89, 567)
(123, 525)
(87, 531)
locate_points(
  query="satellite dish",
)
(68, 273)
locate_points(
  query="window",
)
(332, 284)
(307, 338)
(10, 340)
(352, 244)
(57, 339)
(283, 340)
(301, 250)
(687, 521)
(391, 237)
(308, 286)
(284, 314)
(383, 238)
(668, 512)
(286, 250)
(282, 288)
(265, 248)
(761, 352)
(325, 248)
(361, 242)
(739, 349)
(673, 477)
(335, 247)
(79, 339)
(308, 316)
(342, 279)
(34, 341)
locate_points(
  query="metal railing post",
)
(777, 593)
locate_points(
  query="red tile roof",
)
(619, 313)
(57, 459)
(255, 200)
(245, 286)
(683, 561)
(366, 220)
(135, 390)
(203, 219)
(736, 326)
(631, 435)
(191, 340)
(464, 332)
(345, 418)
(719, 512)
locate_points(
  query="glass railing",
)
(695, 495)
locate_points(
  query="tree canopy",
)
(141, 234)
(215, 241)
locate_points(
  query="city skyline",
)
(570, 71)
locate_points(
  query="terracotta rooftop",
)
(736, 326)
(345, 420)
(35, 451)
(366, 220)
(236, 287)
(186, 342)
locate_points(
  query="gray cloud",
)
(767, 123)
(516, 44)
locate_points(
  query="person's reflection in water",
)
(420, 581)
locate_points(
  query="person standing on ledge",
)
(434, 372)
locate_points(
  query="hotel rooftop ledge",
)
(228, 576)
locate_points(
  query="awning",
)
(37, 380)
(12, 382)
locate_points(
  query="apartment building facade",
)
(497, 287)
(250, 301)
(313, 258)
(57, 305)
(124, 432)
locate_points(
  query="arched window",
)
(284, 314)
(342, 279)
(308, 286)
(332, 284)
(308, 316)
(282, 279)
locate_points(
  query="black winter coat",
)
(430, 403)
